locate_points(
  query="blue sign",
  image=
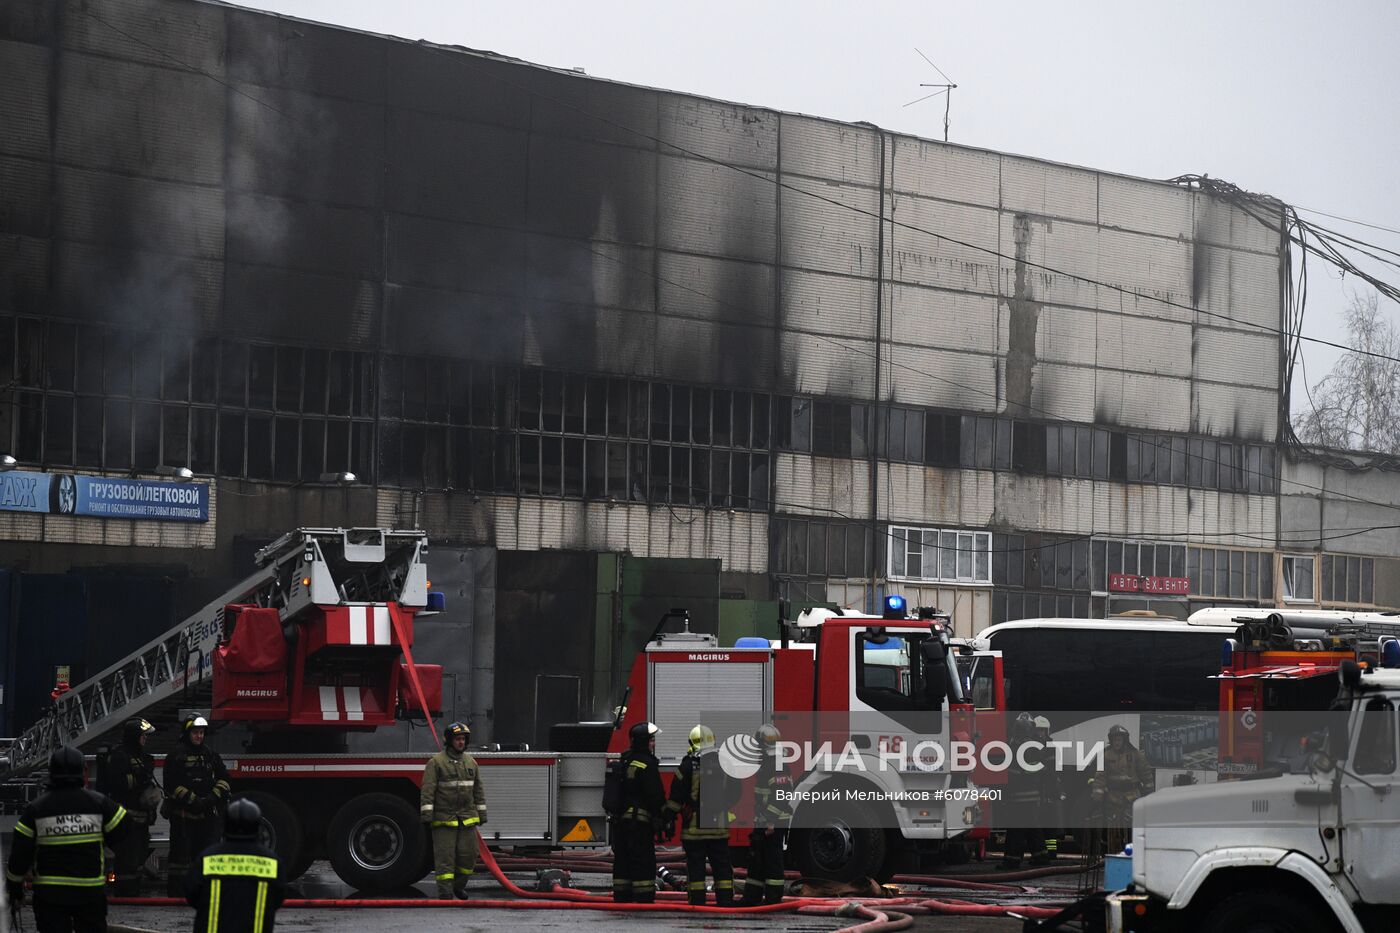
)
(104, 497)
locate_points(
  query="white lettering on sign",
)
(250, 692)
(19, 492)
(708, 656)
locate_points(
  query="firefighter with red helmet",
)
(639, 822)
(453, 804)
(196, 785)
(771, 814)
(128, 776)
(236, 885)
(60, 838)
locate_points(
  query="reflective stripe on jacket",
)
(452, 792)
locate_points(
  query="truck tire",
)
(281, 830)
(376, 843)
(845, 843)
(1267, 911)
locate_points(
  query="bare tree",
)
(1357, 405)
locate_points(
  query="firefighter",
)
(1024, 796)
(1124, 778)
(235, 886)
(129, 778)
(639, 822)
(1051, 793)
(771, 815)
(61, 837)
(196, 785)
(702, 795)
(453, 803)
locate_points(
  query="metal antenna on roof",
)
(945, 89)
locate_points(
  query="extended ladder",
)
(304, 568)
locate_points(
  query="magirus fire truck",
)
(871, 684)
(313, 647)
(1286, 661)
(317, 645)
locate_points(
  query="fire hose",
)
(874, 911)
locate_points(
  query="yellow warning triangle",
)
(581, 832)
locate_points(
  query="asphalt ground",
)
(321, 882)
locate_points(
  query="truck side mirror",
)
(933, 650)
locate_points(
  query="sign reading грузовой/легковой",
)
(103, 497)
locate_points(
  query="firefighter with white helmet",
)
(196, 785)
(702, 794)
(771, 814)
(639, 821)
(453, 804)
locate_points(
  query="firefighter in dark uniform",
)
(771, 815)
(196, 783)
(61, 837)
(235, 886)
(129, 778)
(452, 801)
(701, 795)
(639, 823)
(1021, 814)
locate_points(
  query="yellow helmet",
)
(702, 736)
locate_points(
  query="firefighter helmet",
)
(642, 732)
(767, 735)
(702, 736)
(134, 729)
(1042, 723)
(243, 820)
(1117, 730)
(195, 722)
(456, 729)
(66, 767)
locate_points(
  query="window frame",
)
(978, 558)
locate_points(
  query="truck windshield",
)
(977, 673)
(892, 675)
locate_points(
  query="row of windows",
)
(1231, 574)
(1350, 580)
(937, 555)
(839, 429)
(96, 361)
(76, 367)
(1046, 563)
(817, 548)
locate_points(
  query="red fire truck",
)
(873, 684)
(317, 645)
(1286, 661)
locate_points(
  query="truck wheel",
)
(376, 843)
(846, 844)
(1267, 911)
(280, 830)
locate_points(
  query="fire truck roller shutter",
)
(682, 692)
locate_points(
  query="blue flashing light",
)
(1227, 653)
(895, 606)
(1390, 653)
(437, 602)
(751, 641)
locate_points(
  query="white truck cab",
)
(1302, 852)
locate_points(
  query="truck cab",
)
(1310, 851)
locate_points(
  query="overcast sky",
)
(1290, 98)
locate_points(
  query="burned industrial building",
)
(615, 349)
